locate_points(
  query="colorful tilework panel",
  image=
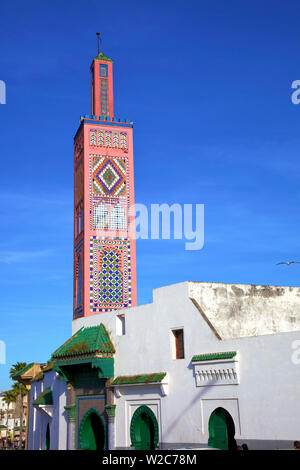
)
(104, 106)
(109, 214)
(109, 192)
(110, 274)
(103, 70)
(109, 176)
(105, 138)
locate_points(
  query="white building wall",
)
(264, 406)
(39, 422)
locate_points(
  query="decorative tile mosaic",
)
(110, 274)
(100, 138)
(104, 105)
(103, 70)
(109, 176)
(109, 192)
(108, 138)
(109, 214)
(123, 140)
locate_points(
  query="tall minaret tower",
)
(104, 253)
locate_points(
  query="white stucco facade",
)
(54, 416)
(268, 379)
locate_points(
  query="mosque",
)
(203, 365)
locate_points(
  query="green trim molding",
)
(44, 398)
(110, 410)
(22, 371)
(214, 356)
(138, 379)
(71, 411)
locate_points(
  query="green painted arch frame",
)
(135, 417)
(82, 437)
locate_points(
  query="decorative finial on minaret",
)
(99, 40)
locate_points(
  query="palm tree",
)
(9, 397)
(21, 391)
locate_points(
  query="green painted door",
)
(47, 443)
(144, 433)
(218, 434)
(92, 434)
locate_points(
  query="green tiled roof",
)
(25, 369)
(214, 356)
(101, 56)
(94, 339)
(48, 367)
(44, 398)
(2, 426)
(139, 379)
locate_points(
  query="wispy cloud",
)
(9, 257)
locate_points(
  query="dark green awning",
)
(44, 398)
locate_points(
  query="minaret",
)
(104, 254)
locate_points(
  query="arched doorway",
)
(92, 431)
(221, 430)
(144, 429)
(47, 442)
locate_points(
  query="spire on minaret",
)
(102, 85)
(99, 40)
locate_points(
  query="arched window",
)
(81, 219)
(77, 222)
(79, 283)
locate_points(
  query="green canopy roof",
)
(139, 379)
(44, 398)
(101, 56)
(2, 426)
(22, 371)
(94, 339)
(214, 356)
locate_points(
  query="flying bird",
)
(288, 262)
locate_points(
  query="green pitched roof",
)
(101, 56)
(139, 379)
(22, 371)
(44, 398)
(94, 339)
(214, 356)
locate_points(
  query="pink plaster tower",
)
(104, 253)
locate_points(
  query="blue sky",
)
(208, 86)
